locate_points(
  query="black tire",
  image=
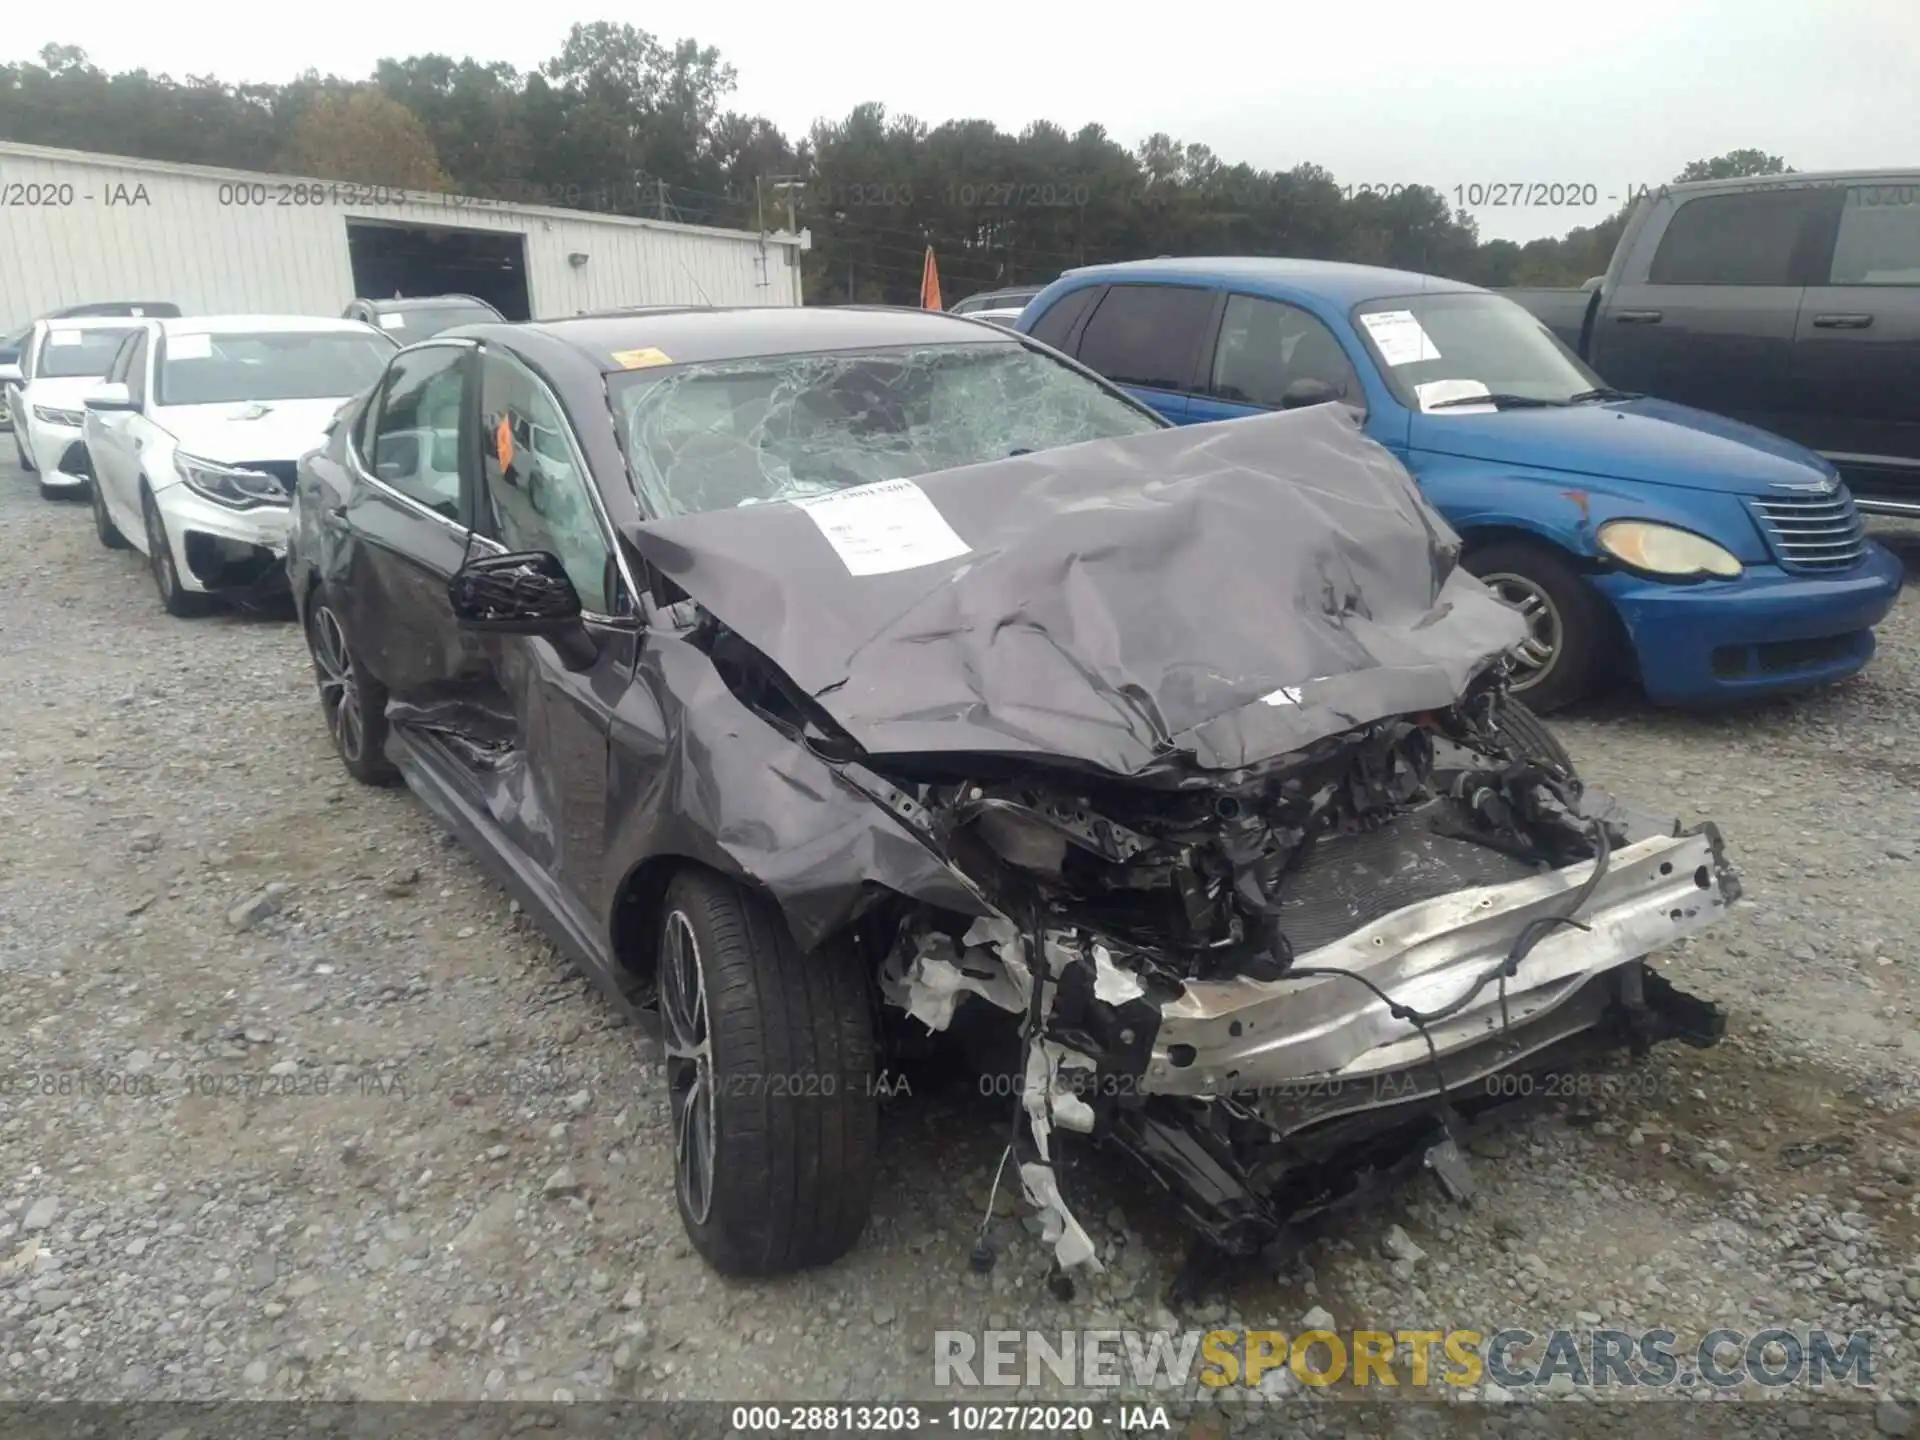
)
(780, 1045)
(59, 494)
(178, 601)
(353, 702)
(1530, 737)
(1572, 626)
(103, 525)
(20, 449)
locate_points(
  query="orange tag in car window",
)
(641, 359)
(503, 441)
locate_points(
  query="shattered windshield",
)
(787, 427)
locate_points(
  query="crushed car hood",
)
(1230, 591)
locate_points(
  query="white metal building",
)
(77, 227)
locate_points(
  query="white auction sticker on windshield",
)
(396, 321)
(1400, 337)
(189, 347)
(880, 528)
(65, 337)
(1433, 392)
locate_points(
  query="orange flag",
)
(930, 284)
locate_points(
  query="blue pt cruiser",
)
(1717, 560)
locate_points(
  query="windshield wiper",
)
(1604, 392)
(1504, 402)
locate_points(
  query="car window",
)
(537, 495)
(791, 427)
(70, 354)
(231, 368)
(1146, 335)
(1057, 323)
(122, 361)
(416, 435)
(1879, 238)
(1749, 238)
(1266, 345)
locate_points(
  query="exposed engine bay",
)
(1197, 773)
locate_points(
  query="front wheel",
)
(354, 703)
(175, 598)
(770, 1060)
(1568, 636)
(20, 449)
(103, 525)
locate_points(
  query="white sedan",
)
(195, 434)
(60, 362)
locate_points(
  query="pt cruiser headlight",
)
(224, 485)
(1663, 550)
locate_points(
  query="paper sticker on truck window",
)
(1435, 391)
(65, 337)
(396, 321)
(1399, 336)
(880, 528)
(189, 347)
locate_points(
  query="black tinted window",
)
(416, 438)
(1146, 335)
(1053, 327)
(1745, 239)
(1879, 238)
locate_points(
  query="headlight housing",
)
(1664, 550)
(47, 415)
(226, 485)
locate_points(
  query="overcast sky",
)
(1380, 92)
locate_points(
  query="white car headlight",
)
(225, 485)
(47, 415)
(1663, 550)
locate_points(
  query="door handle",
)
(1842, 322)
(1637, 317)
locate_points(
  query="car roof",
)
(257, 324)
(1334, 279)
(697, 334)
(1800, 179)
(424, 302)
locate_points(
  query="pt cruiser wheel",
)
(769, 1081)
(354, 703)
(1568, 636)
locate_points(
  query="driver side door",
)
(537, 493)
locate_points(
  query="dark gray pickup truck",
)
(1791, 302)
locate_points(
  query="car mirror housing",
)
(10, 372)
(527, 593)
(110, 395)
(1304, 392)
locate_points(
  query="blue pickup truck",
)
(1713, 560)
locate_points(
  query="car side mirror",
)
(528, 593)
(109, 395)
(10, 372)
(1307, 391)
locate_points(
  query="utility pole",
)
(663, 197)
(759, 207)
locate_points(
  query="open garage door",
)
(408, 260)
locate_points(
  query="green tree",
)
(362, 136)
(1733, 165)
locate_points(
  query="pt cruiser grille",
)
(1813, 531)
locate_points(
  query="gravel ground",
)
(350, 1129)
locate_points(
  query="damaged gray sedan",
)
(821, 678)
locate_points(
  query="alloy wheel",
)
(1546, 632)
(689, 1043)
(339, 690)
(159, 552)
